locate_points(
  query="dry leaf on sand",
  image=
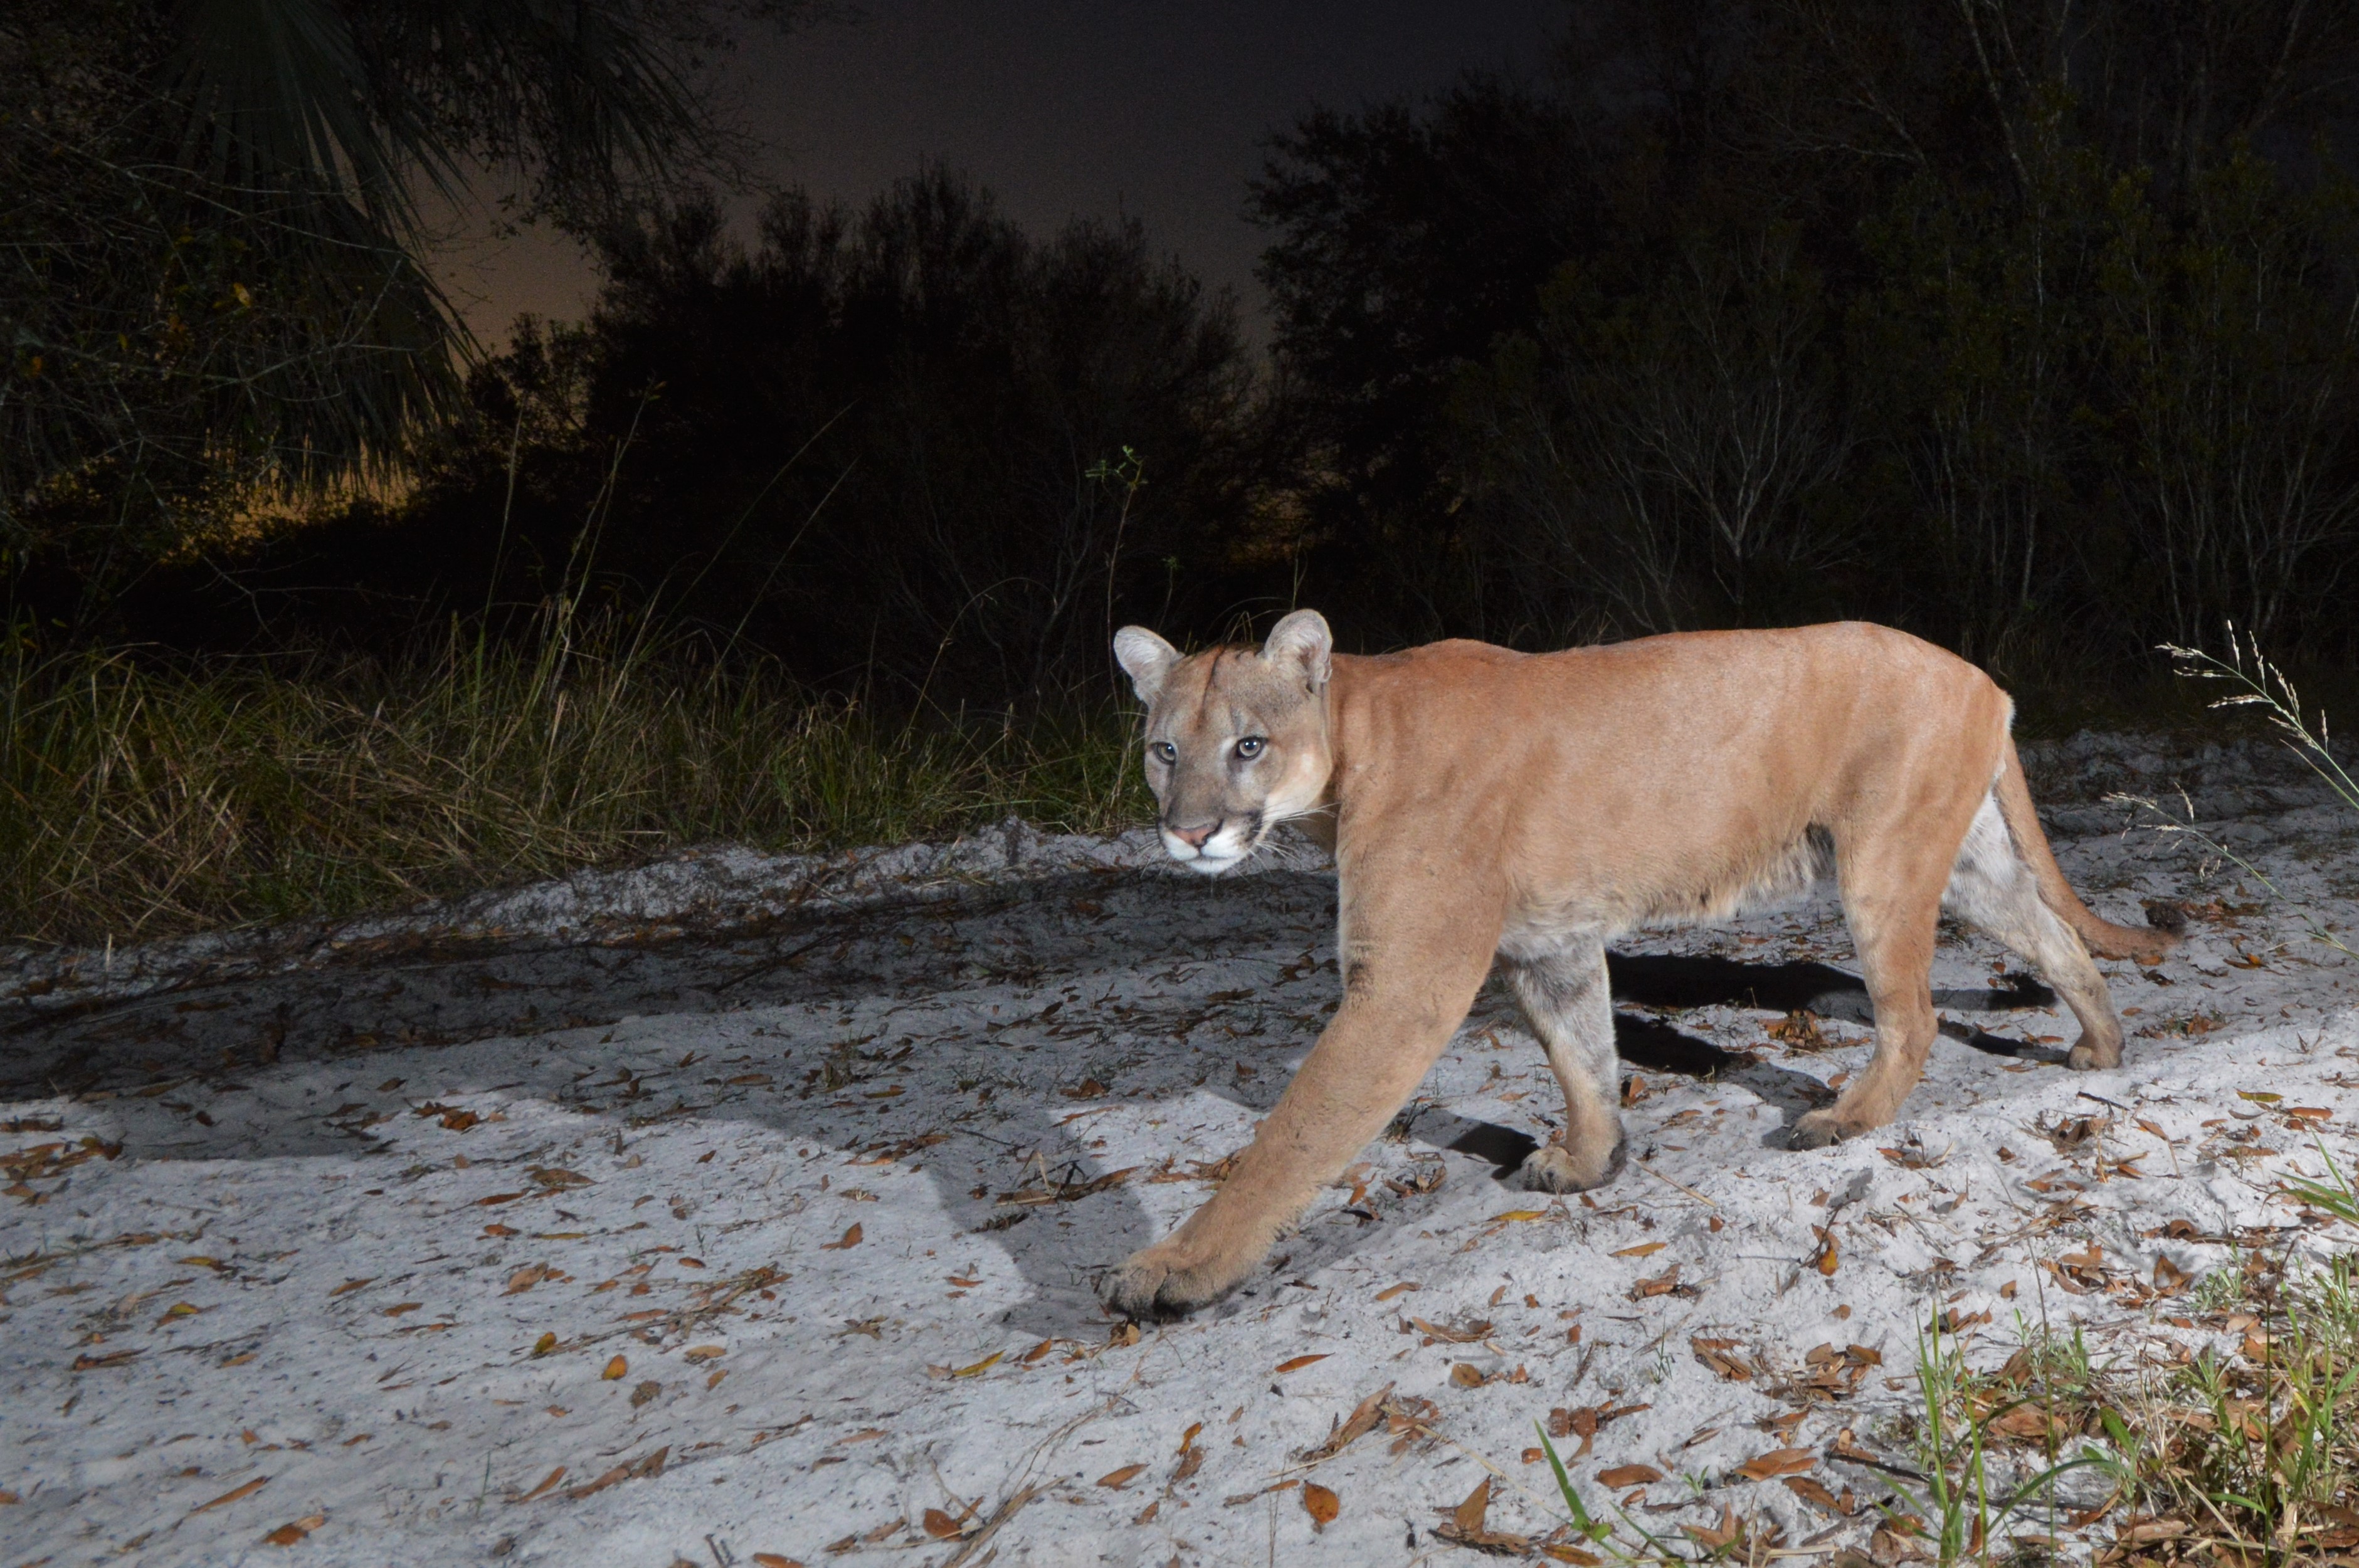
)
(1623, 1475)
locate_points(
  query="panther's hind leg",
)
(1994, 888)
(1892, 900)
(1566, 1000)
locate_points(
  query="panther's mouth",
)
(1230, 844)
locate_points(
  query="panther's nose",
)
(1194, 837)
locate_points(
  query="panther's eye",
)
(1164, 751)
(1250, 747)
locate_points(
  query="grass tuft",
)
(139, 800)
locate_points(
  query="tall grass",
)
(140, 800)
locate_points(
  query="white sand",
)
(298, 1296)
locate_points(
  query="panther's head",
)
(1237, 741)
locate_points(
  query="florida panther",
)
(1485, 806)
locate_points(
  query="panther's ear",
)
(1303, 646)
(1146, 658)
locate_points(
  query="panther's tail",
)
(2101, 937)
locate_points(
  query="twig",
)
(1682, 1185)
(1001, 1515)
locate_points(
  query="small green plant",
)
(1585, 1526)
(2217, 1289)
(1958, 1505)
(2252, 1450)
(2333, 1196)
(2256, 683)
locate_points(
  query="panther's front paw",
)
(1820, 1129)
(2088, 1057)
(1553, 1168)
(1162, 1282)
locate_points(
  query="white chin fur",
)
(1223, 850)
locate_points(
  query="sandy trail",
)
(744, 1207)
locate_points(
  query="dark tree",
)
(212, 275)
(1406, 239)
(908, 449)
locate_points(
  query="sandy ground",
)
(746, 1211)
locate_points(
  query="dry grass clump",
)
(2244, 1454)
(2249, 1457)
(139, 800)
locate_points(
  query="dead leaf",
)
(1515, 1214)
(1389, 1291)
(233, 1495)
(1467, 1375)
(773, 1560)
(615, 1370)
(1115, 1480)
(1718, 1539)
(1715, 1354)
(704, 1352)
(651, 1465)
(1296, 1364)
(980, 1367)
(1644, 1250)
(850, 1240)
(1826, 1260)
(290, 1534)
(546, 1482)
(1815, 1493)
(1776, 1463)
(1322, 1505)
(1623, 1475)
(1580, 1424)
(1358, 1424)
(1469, 1515)
(938, 1525)
(1477, 1330)
(1800, 1031)
(87, 1363)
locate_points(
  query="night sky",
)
(1062, 108)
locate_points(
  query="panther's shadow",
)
(1654, 1044)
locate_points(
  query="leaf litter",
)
(929, 1372)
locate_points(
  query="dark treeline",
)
(908, 449)
(2027, 327)
(2030, 327)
